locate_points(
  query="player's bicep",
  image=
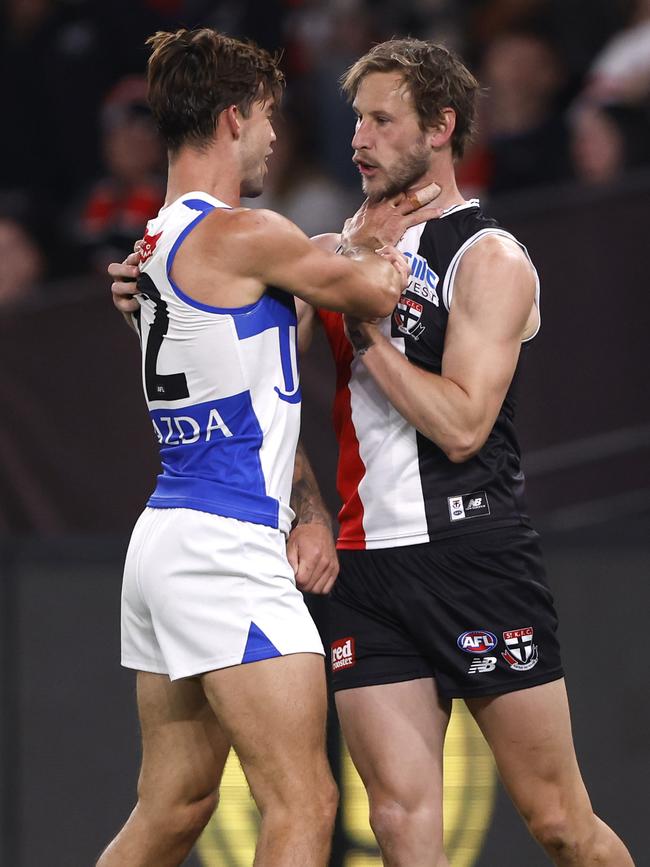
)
(491, 304)
(280, 254)
(320, 278)
(481, 363)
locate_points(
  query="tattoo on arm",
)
(361, 342)
(306, 500)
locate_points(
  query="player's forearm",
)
(306, 500)
(436, 406)
(376, 288)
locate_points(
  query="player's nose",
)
(360, 138)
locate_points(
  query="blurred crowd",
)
(566, 101)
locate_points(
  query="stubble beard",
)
(403, 175)
(252, 186)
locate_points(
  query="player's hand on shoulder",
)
(377, 224)
(124, 275)
(312, 555)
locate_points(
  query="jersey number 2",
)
(168, 386)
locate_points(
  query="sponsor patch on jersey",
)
(477, 641)
(423, 280)
(343, 655)
(483, 665)
(468, 506)
(520, 654)
(407, 316)
(148, 246)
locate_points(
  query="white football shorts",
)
(203, 592)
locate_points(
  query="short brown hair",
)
(435, 77)
(193, 75)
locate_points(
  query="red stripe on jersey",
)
(351, 468)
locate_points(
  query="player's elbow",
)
(383, 303)
(459, 455)
(387, 306)
(463, 447)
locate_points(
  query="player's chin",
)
(374, 189)
(253, 187)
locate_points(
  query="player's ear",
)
(440, 133)
(231, 119)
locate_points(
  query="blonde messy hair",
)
(435, 77)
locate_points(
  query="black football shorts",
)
(473, 612)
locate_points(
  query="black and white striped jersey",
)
(397, 486)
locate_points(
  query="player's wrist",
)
(361, 338)
(312, 514)
(356, 251)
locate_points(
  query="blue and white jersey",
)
(221, 384)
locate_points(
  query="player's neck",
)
(191, 170)
(445, 177)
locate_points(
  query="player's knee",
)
(319, 808)
(191, 818)
(329, 803)
(185, 820)
(392, 821)
(554, 831)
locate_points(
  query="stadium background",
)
(562, 159)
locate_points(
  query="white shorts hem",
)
(148, 667)
(216, 665)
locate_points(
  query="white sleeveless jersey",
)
(221, 384)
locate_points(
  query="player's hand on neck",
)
(383, 222)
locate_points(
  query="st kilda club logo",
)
(520, 653)
(407, 316)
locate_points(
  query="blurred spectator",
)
(525, 132)
(51, 73)
(474, 172)
(132, 190)
(580, 27)
(22, 264)
(621, 72)
(439, 20)
(325, 39)
(57, 59)
(606, 141)
(297, 188)
(488, 20)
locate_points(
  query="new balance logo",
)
(472, 505)
(483, 665)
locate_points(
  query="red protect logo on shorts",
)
(343, 655)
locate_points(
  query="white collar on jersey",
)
(472, 203)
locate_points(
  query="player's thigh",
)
(274, 712)
(395, 734)
(529, 732)
(184, 748)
